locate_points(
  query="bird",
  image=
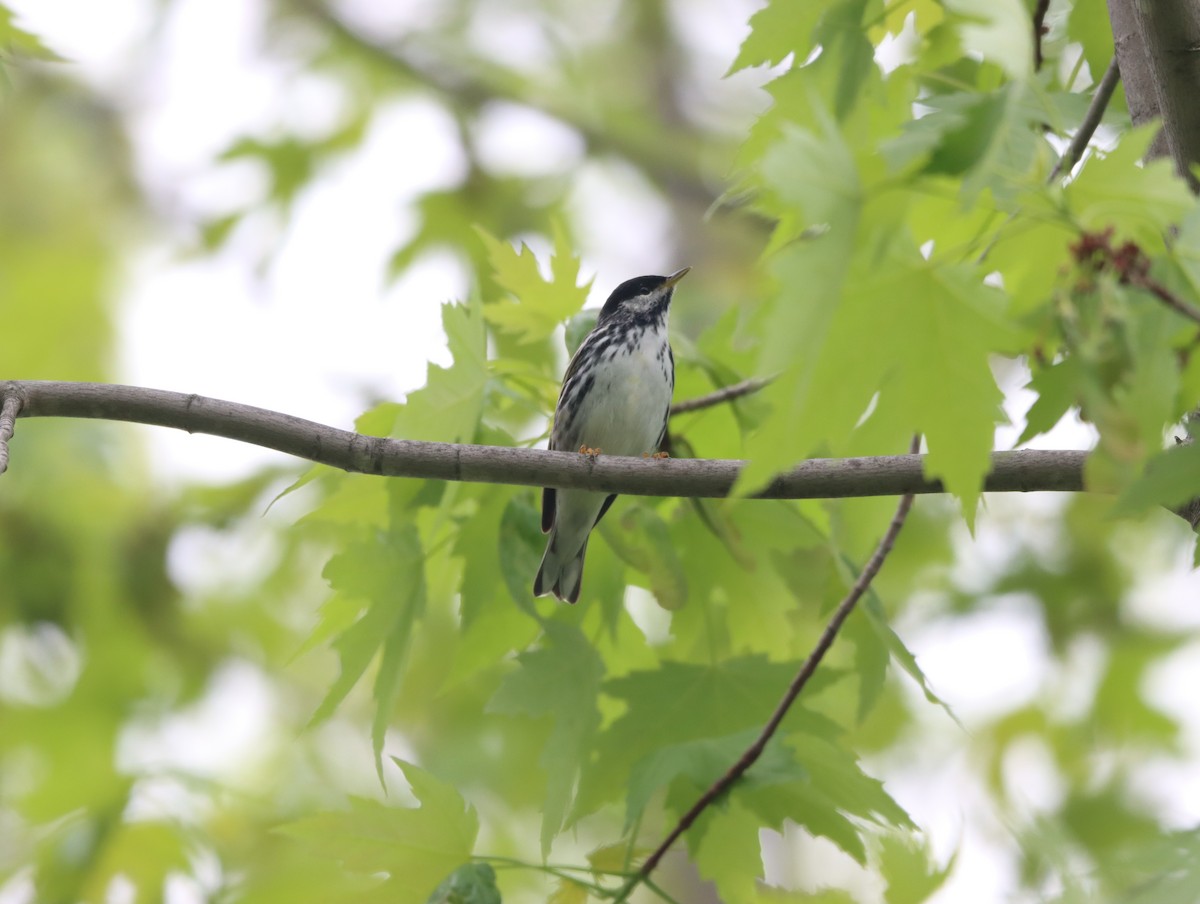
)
(615, 399)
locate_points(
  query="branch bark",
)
(8, 419)
(1157, 44)
(1091, 121)
(725, 394)
(1136, 74)
(1170, 30)
(889, 475)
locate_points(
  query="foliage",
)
(891, 246)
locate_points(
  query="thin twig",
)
(1131, 265)
(1079, 142)
(725, 394)
(1039, 29)
(807, 670)
(1091, 121)
(818, 478)
(1166, 296)
(8, 419)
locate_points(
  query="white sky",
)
(319, 326)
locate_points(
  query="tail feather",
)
(560, 575)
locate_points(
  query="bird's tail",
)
(560, 574)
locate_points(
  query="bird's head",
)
(644, 296)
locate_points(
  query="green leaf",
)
(384, 571)
(836, 790)
(520, 542)
(872, 607)
(906, 866)
(915, 331)
(1171, 479)
(778, 29)
(642, 539)
(1088, 24)
(417, 847)
(703, 761)
(539, 305)
(680, 702)
(969, 131)
(1186, 249)
(471, 883)
(19, 42)
(448, 408)
(1057, 391)
(998, 30)
(1141, 199)
(726, 850)
(947, 331)
(871, 657)
(560, 680)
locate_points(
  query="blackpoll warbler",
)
(615, 399)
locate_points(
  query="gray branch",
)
(890, 475)
(8, 417)
(1171, 32)
(1091, 121)
(1158, 47)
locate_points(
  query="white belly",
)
(629, 403)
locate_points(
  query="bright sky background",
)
(319, 329)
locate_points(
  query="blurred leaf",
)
(703, 761)
(568, 892)
(726, 850)
(681, 702)
(384, 572)
(520, 543)
(416, 847)
(17, 41)
(642, 539)
(906, 866)
(1140, 199)
(471, 883)
(561, 680)
(998, 30)
(1056, 393)
(1088, 24)
(778, 29)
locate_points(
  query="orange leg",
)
(661, 455)
(588, 450)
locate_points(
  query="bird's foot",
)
(661, 455)
(588, 450)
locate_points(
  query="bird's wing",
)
(597, 335)
(604, 508)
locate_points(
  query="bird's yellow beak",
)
(675, 277)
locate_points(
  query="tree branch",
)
(1091, 121)
(724, 394)
(1131, 265)
(676, 164)
(889, 475)
(1039, 29)
(8, 418)
(1170, 30)
(1133, 59)
(807, 670)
